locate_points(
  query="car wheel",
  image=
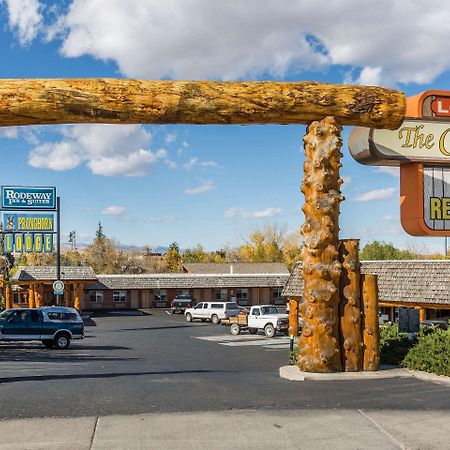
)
(189, 317)
(48, 343)
(215, 319)
(253, 330)
(269, 330)
(235, 329)
(62, 341)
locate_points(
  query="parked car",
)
(213, 311)
(180, 303)
(264, 317)
(436, 324)
(54, 326)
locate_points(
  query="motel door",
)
(134, 299)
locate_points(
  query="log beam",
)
(100, 100)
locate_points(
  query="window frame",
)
(123, 294)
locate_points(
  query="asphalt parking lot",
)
(161, 363)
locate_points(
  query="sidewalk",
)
(299, 429)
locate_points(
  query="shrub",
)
(431, 354)
(393, 345)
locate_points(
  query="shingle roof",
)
(239, 268)
(398, 281)
(48, 273)
(188, 281)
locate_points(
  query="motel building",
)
(245, 283)
(423, 285)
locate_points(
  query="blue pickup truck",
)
(54, 326)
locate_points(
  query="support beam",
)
(57, 101)
(293, 317)
(371, 332)
(31, 296)
(79, 289)
(422, 314)
(350, 306)
(8, 299)
(319, 344)
(67, 294)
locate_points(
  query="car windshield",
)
(269, 310)
(5, 315)
(232, 306)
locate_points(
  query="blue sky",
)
(152, 185)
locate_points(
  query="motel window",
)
(183, 292)
(242, 296)
(161, 298)
(221, 294)
(96, 296)
(119, 296)
(276, 296)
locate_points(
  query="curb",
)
(293, 373)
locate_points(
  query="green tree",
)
(195, 255)
(172, 259)
(377, 250)
(103, 254)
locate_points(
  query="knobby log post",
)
(371, 331)
(100, 100)
(319, 349)
(293, 317)
(350, 307)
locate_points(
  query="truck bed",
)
(240, 319)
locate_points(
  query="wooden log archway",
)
(59, 101)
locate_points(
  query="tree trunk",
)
(350, 306)
(319, 349)
(53, 101)
(293, 317)
(371, 331)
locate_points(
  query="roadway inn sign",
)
(421, 147)
(24, 231)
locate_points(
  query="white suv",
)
(214, 311)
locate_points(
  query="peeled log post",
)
(371, 330)
(293, 317)
(319, 349)
(103, 100)
(350, 306)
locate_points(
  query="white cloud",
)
(207, 185)
(114, 210)
(190, 164)
(9, 132)
(390, 218)
(394, 171)
(347, 179)
(109, 150)
(210, 165)
(377, 194)
(24, 19)
(161, 219)
(247, 214)
(170, 138)
(197, 39)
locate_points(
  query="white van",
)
(213, 311)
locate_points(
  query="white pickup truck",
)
(261, 317)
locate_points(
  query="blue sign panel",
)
(28, 197)
(28, 222)
(28, 243)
